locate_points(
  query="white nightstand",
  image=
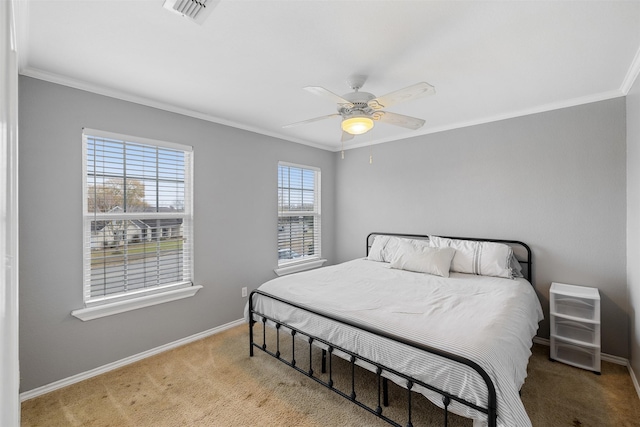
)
(575, 325)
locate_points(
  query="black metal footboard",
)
(382, 400)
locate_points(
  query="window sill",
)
(301, 266)
(109, 309)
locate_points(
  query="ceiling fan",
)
(359, 110)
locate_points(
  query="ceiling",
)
(247, 64)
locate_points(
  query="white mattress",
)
(488, 320)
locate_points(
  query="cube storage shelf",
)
(575, 325)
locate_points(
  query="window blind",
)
(137, 216)
(299, 223)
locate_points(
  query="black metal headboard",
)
(521, 250)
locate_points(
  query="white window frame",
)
(315, 260)
(96, 307)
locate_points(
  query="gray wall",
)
(235, 227)
(555, 180)
(633, 221)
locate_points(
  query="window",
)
(298, 218)
(138, 221)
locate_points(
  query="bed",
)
(460, 337)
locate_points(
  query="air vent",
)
(194, 10)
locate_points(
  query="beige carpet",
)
(213, 382)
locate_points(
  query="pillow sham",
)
(476, 257)
(417, 257)
(384, 247)
(376, 251)
(516, 268)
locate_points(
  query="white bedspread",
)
(488, 320)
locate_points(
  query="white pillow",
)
(516, 268)
(475, 257)
(423, 259)
(384, 247)
(376, 252)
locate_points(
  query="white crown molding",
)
(490, 119)
(632, 74)
(126, 361)
(113, 93)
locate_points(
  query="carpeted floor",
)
(213, 382)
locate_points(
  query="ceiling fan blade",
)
(304, 122)
(346, 136)
(327, 94)
(408, 93)
(398, 120)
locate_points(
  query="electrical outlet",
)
(244, 292)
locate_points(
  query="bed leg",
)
(251, 325)
(251, 322)
(385, 392)
(324, 361)
(409, 386)
(446, 401)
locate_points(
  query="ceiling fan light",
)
(357, 125)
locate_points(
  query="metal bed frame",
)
(382, 382)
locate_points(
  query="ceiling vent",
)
(194, 10)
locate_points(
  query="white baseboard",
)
(541, 341)
(152, 352)
(634, 379)
(607, 358)
(126, 361)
